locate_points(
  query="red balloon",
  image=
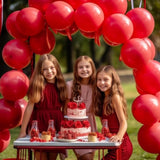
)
(76, 3)
(107, 41)
(89, 17)
(158, 95)
(59, 15)
(143, 22)
(11, 113)
(112, 6)
(148, 138)
(70, 31)
(11, 27)
(135, 53)
(40, 4)
(117, 24)
(158, 157)
(93, 35)
(148, 77)
(145, 106)
(46, 42)
(30, 21)
(90, 35)
(140, 91)
(5, 138)
(21, 105)
(151, 46)
(16, 54)
(14, 85)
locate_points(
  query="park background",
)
(67, 51)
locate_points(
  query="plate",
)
(82, 137)
(76, 118)
(66, 140)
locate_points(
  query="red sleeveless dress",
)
(48, 108)
(126, 146)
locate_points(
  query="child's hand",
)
(22, 135)
(116, 138)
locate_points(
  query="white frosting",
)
(78, 113)
(80, 131)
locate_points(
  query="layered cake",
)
(72, 129)
(76, 110)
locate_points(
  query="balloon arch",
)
(93, 18)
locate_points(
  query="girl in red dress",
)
(109, 103)
(47, 96)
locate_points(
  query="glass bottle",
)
(34, 129)
(51, 127)
(105, 128)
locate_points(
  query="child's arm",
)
(64, 110)
(26, 118)
(117, 103)
(69, 92)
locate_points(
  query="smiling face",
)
(49, 71)
(104, 81)
(84, 69)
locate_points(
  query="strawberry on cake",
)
(72, 129)
(76, 110)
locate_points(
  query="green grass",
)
(133, 127)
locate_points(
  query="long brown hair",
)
(37, 82)
(103, 105)
(76, 88)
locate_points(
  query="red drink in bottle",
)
(51, 127)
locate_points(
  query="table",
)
(24, 147)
